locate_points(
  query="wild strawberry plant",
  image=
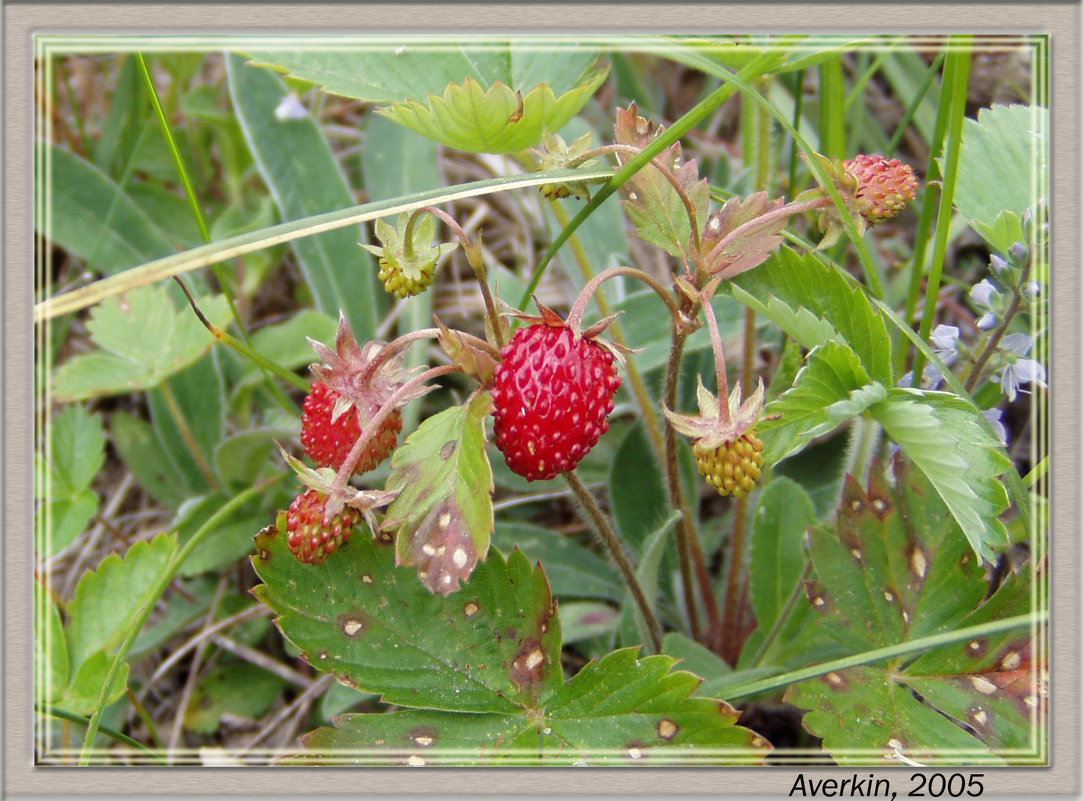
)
(526, 477)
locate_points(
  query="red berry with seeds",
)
(551, 394)
(884, 186)
(312, 539)
(327, 439)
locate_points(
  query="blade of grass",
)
(888, 652)
(120, 737)
(832, 109)
(958, 61)
(197, 213)
(205, 255)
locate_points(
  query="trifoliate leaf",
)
(141, 339)
(896, 567)
(621, 711)
(492, 647)
(442, 518)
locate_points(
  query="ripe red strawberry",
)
(551, 394)
(884, 186)
(328, 440)
(732, 468)
(309, 537)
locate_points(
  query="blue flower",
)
(993, 416)
(1019, 370)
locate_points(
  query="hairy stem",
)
(334, 503)
(612, 544)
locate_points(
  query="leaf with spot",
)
(896, 568)
(492, 647)
(442, 518)
(650, 199)
(622, 710)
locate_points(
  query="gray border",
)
(1061, 20)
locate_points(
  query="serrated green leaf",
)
(498, 119)
(815, 303)
(94, 219)
(621, 711)
(76, 450)
(625, 710)
(141, 339)
(414, 738)
(865, 719)
(1002, 160)
(81, 695)
(830, 389)
(443, 515)
(946, 438)
(899, 568)
(491, 647)
(303, 176)
(60, 522)
(573, 571)
(109, 599)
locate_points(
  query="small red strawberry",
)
(352, 386)
(551, 394)
(311, 538)
(884, 186)
(328, 440)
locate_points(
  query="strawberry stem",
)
(575, 317)
(616, 550)
(716, 346)
(335, 499)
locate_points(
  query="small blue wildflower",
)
(983, 294)
(987, 322)
(1018, 370)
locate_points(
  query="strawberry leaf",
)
(742, 234)
(651, 201)
(494, 120)
(443, 516)
(623, 710)
(896, 568)
(141, 339)
(946, 438)
(492, 647)
(813, 303)
(830, 389)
